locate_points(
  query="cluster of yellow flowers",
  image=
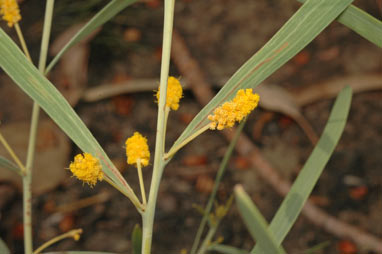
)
(87, 168)
(234, 111)
(10, 11)
(174, 93)
(137, 148)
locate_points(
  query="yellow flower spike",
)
(10, 11)
(137, 148)
(87, 168)
(174, 93)
(234, 111)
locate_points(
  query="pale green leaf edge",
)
(3, 247)
(293, 203)
(296, 33)
(362, 23)
(256, 223)
(30, 80)
(5, 163)
(104, 15)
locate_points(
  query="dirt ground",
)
(221, 36)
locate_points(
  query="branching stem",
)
(159, 163)
(175, 149)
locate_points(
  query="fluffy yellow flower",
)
(10, 11)
(234, 111)
(174, 93)
(137, 148)
(87, 168)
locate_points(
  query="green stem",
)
(141, 183)
(219, 175)
(166, 113)
(27, 180)
(27, 214)
(12, 154)
(75, 233)
(22, 41)
(175, 149)
(207, 240)
(45, 35)
(135, 201)
(27, 175)
(159, 163)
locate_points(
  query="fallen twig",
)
(191, 71)
(82, 203)
(330, 88)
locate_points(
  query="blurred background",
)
(217, 37)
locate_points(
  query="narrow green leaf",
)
(255, 222)
(362, 23)
(3, 248)
(226, 249)
(29, 79)
(301, 28)
(303, 185)
(5, 163)
(136, 239)
(104, 15)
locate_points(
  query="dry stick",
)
(82, 203)
(189, 68)
(330, 88)
(302, 95)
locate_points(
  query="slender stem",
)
(13, 154)
(159, 163)
(27, 175)
(22, 41)
(135, 202)
(27, 213)
(27, 180)
(141, 184)
(75, 234)
(32, 138)
(45, 35)
(207, 240)
(125, 189)
(219, 175)
(175, 149)
(166, 113)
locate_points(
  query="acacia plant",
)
(232, 104)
